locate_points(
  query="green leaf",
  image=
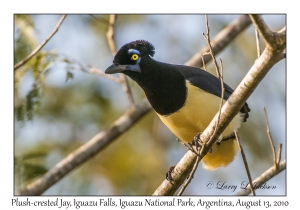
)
(31, 171)
(70, 75)
(32, 155)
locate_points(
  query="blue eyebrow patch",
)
(133, 51)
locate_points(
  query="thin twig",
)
(270, 139)
(220, 75)
(127, 90)
(257, 43)
(223, 90)
(90, 69)
(262, 28)
(203, 63)
(207, 38)
(211, 53)
(34, 52)
(184, 144)
(93, 70)
(245, 163)
(278, 158)
(188, 146)
(279, 154)
(112, 46)
(221, 101)
(100, 19)
(263, 178)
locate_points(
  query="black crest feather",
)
(143, 46)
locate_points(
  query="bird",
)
(185, 98)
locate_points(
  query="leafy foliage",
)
(29, 166)
(26, 108)
(40, 66)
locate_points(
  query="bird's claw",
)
(169, 174)
(197, 142)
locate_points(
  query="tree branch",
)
(273, 39)
(262, 65)
(110, 34)
(113, 48)
(88, 150)
(34, 52)
(267, 175)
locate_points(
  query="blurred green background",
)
(59, 106)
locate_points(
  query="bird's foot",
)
(169, 174)
(198, 143)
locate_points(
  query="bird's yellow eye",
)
(134, 57)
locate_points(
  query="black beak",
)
(112, 69)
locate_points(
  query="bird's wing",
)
(209, 83)
(205, 81)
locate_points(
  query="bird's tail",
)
(221, 155)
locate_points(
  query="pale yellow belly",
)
(194, 117)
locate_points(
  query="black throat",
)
(163, 85)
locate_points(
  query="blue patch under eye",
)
(133, 51)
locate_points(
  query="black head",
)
(129, 57)
(162, 83)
